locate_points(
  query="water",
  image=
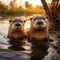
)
(8, 51)
(3, 33)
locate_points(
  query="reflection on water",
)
(3, 32)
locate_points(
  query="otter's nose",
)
(40, 22)
(17, 24)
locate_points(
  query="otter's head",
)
(17, 24)
(39, 22)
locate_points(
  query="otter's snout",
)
(17, 24)
(39, 22)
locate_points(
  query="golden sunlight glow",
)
(20, 2)
(34, 2)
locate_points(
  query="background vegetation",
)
(27, 9)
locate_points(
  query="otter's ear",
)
(47, 17)
(31, 18)
(24, 21)
(10, 21)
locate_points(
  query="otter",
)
(16, 28)
(39, 28)
(38, 36)
(16, 34)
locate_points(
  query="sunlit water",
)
(3, 33)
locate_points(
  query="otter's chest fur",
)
(39, 34)
(16, 34)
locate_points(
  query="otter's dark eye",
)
(35, 19)
(13, 21)
(42, 18)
